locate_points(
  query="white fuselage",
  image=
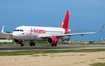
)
(35, 33)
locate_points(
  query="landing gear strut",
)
(32, 43)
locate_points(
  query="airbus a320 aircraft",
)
(49, 34)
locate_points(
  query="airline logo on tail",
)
(65, 21)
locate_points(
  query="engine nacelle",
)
(18, 41)
(52, 40)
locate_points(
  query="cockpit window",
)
(18, 30)
(21, 30)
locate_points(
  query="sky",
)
(88, 15)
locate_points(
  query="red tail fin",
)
(65, 21)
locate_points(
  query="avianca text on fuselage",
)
(36, 30)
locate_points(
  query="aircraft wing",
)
(74, 31)
(73, 34)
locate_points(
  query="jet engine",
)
(18, 41)
(52, 40)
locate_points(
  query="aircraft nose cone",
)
(15, 35)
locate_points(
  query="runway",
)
(62, 47)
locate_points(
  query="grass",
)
(98, 64)
(36, 55)
(32, 52)
(101, 58)
(82, 54)
(44, 55)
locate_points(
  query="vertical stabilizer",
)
(65, 21)
(2, 31)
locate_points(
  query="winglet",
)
(102, 28)
(2, 31)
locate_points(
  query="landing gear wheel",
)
(53, 45)
(22, 45)
(32, 43)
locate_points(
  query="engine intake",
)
(18, 41)
(52, 40)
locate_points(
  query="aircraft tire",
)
(33, 44)
(52, 45)
(55, 44)
(22, 45)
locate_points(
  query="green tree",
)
(7, 31)
(65, 39)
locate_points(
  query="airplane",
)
(49, 34)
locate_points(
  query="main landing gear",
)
(54, 45)
(22, 45)
(32, 43)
